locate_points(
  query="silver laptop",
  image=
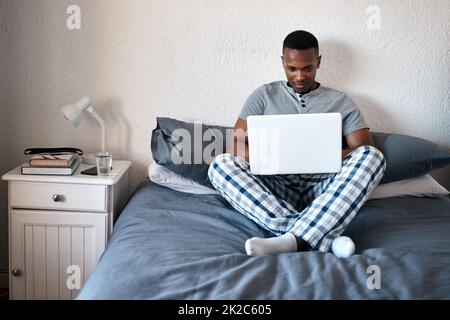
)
(295, 143)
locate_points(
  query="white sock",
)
(270, 246)
(343, 247)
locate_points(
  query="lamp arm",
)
(102, 125)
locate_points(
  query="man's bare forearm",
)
(239, 148)
(346, 152)
(239, 143)
(358, 139)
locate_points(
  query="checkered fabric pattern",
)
(314, 207)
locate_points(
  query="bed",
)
(174, 245)
(189, 245)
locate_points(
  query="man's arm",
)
(239, 141)
(357, 139)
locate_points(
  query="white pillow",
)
(167, 178)
(424, 186)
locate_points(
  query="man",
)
(302, 211)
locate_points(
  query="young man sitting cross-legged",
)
(302, 211)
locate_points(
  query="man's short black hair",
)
(301, 40)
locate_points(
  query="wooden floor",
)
(4, 294)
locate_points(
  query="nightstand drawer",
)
(58, 196)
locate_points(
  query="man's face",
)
(300, 67)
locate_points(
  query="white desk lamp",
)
(74, 113)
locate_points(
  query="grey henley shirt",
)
(279, 98)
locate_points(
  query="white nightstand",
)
(59, 227)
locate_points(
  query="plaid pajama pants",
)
(314, 207)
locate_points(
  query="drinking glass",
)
(104, 163)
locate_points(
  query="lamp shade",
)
(74, 112)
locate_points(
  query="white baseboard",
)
(4, 281)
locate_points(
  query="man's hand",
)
(239, 140)
(357, 139)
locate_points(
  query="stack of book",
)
(52, 164)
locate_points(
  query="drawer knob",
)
(56, 198)
(16, 272)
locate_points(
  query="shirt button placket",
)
(302, 101)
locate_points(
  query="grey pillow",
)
(406, 156)
(188, 148)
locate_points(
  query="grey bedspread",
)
(172, 245)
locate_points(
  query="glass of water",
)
(104, 163)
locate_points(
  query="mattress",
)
(172, 245)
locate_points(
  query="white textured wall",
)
(199, 59)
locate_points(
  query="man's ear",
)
(319, 58)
